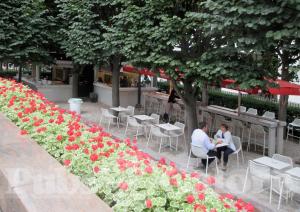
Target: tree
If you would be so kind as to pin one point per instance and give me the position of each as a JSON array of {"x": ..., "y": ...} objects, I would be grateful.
[
  {"x": 263, "y": 29},
  {"x": 23, "y": 32},
  {"x": 83, "y": 36},
  {"x": 169, "y": 35}
]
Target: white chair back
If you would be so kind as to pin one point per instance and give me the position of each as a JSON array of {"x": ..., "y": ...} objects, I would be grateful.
[
  {"x": 156, "y": 118},
  {"x": 198, "y": 151},
  {"x": 130, "y": 110},
  {"x": 268, "y": 114},
  {"x": 258, "y": 129},
  {"x": 284, "y": 159},
  {"x": 105, "y": 112},
  {"x": 237, "y": 143},
  {"x": 296, "y": 121},
  {"x": 180, "y": 125},
  {"x": 259, "y": 170},
  {"x": 132, "y": 121},
  {"x": 252, "y": 111},
  {"x": 156, "y": 131},
  {"x": 292, "y": 183},
  {"x": 242, "y": 109}
]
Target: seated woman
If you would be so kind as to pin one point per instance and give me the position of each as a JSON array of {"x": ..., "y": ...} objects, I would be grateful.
[{"x": 224, "y": 136}]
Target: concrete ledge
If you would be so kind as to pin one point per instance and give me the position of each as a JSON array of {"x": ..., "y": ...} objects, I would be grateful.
[{"x": 33, "y": 181}]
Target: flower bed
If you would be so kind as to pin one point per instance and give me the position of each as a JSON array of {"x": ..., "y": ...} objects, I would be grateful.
[{"x": 122, "y": 175}]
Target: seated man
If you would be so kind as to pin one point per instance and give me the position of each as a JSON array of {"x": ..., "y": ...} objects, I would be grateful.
[{"x": 200, "y": 138}]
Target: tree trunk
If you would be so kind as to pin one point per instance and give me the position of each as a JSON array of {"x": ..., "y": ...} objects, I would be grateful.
[
  {"x": 191, "y": 118},
  {"x": 75, "y": 79},
  {"x": 1, "y": 69},
  {"x": 20, "y": 74},
  {"x": 205, "y": 94},
  {"x": 283, "y": 101},
  {"x": 115, "y": 68},
  {"x": 138, "y": 105},
  {"x": 154, "y": 81}
]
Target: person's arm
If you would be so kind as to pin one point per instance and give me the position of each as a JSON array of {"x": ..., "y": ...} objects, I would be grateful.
[
  {"x": 227, "y": 137},
  {"x": 208, "y": 144},
  {"x": 218, "y": 134}
]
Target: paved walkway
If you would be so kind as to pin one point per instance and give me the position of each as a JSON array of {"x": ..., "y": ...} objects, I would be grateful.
[{"x": 230, "y": 181}]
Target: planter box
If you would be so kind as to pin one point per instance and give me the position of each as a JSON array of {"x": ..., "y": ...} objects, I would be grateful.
[{"x": 31, "y": 180}]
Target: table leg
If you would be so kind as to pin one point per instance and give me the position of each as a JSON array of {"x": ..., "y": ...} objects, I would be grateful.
[
  {"x": 272, "y": 141},
  {"x": 280, "y": 139}
]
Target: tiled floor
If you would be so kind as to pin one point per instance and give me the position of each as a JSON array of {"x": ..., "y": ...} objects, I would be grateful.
[{"x": 230, "y": 181}]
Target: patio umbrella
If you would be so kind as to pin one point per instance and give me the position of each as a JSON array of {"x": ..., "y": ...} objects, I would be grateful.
[{"x": 284, "y": 88}]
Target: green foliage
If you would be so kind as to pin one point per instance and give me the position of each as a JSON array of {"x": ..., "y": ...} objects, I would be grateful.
[{"x": 24, "y": 28}]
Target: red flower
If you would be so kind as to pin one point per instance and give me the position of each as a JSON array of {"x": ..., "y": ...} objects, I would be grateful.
[
  {"x": 201, "y": 196},
  {"x": 249, "y": 207},
  {"x": 199, "y": 187},
  {"x": 20, "y": 114},
  {"x": 226, "y": 205},
  {"x": 190, "y": 198},
  {"x": 195, "y": 175},
  {"x": 86, "y": 151},
  {"x": 162, "y": 161},
  {"x": 199, "y": 207},
  {"x": 59, "y": 137},
  {"x": 23, "y": 132},
  {"x": 229, "y": 196},
  {"x": 172, "y": 164},
  {"x": 71, "y": 138},
  {"x": 213, "y": 210},
  {"x": 67, "y": 162},
  {"x": 211, "y": 180},
  {"x": 148, "y": 203},
  {"x": 149, "y": 169},
  {"x": 123, "y": 186},
  {"x": 173, "y": 182},
  {"x": 94, "y": 157},
  {"x": 96, "y": 169}
]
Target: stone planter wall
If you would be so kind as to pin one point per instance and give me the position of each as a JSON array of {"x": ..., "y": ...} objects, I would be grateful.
[{"x": 33, "y": 181}]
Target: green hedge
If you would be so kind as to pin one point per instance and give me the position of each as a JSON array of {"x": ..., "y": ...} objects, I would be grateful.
[{"x": 12, "y": 73}]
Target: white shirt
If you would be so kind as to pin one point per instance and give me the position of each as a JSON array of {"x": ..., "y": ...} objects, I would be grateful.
[
  {"x": 200, "y": 138},
  {"x": 227, "y": 139}
]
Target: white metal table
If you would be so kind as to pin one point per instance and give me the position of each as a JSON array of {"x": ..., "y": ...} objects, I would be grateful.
[
  {"x": 294, "y": 172},
  {"x": 272, "y": 163},
  {"x": 143, "y": 117},
  {"x": 119, "y": 109},
  {"x": 168, "y": 127}
]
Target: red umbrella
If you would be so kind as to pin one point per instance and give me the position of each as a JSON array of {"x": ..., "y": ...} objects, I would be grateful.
[
  {"x": 284, "y": 88},
  {"x": 227, "y": 82}
]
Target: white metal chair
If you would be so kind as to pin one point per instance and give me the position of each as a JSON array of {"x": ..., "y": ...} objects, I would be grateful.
[
  {"x": 291, "y": 185},
  {"x": 178, "y": 133},
  {"x": 239, "y": 129},
  {"x": 242, "y": 109},
  {"x": 276, "y": 179},
  {"x": 238, "y": 145},
  {"x": 128, "y": 112},
  {"x": 294, "y": 126},
  {"x": 269, "y": 115},
  {"x": 106, "y": 115},
  {"x": 132, "y": 123},
  {"x": 199, "y": 152},
  {"x": 259, "y": 137},
  {"x": 155, "y": 117},
  {"x": 259, "y": 171},
  {"x": 252, "y": 111},
  {"x": 155, "y": 132}
]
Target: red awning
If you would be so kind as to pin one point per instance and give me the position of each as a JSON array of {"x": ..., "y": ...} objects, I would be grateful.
[
  {"x": 145, "y": 71},
  {"x": 285, "y": 88}
]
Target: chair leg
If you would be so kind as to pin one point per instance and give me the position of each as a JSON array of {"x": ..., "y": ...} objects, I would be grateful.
[
  {"x": 149, "y": 137},
  {"x": 126, "y": 129},
  {"x": 280, "y": 196},
  {"x": 206, "y": 166},
  {"x": 108, "y": 125},
  {"x": 177, "y": 143},
  {"x": 217, "y": 168},
  {"x": 237, "y": 160},
  {"x": 187, "y": 166},
  {"x": 160, "y": 145},
  {"x": 137, "y": 132},
  {"x": 271, "y": 191},
  {"x": 246, "y": 178}
]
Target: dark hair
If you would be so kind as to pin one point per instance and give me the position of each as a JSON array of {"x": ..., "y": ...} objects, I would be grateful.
[
  {"x": 202, "y": 125},
  {"x": 225, "y": 126}
]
